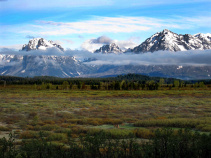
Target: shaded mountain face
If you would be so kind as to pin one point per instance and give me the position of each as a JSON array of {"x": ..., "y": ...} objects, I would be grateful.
[
  {"x": 110, "y": 48},
  {"x": 170, "y": 41},
  {"x": 65, "y": 66},
  {"x": 169, "y": 71},
  {"x": 40, "y": 43},
  {"x": 30, "y": 65}
]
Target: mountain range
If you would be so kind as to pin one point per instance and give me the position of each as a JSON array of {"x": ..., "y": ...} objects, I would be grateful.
[
  {"x": 69, "y": 66},
  {"x": 170, "y": 41},
  {"x": 165, "y": 41}
]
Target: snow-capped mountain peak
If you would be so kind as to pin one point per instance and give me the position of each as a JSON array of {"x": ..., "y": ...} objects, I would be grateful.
[
  {"x": 109, "y": 48},
  {"x": 41, "y": 44},
  {"x": 168, "y": 40},
  {"x": 204, "y": 37}
]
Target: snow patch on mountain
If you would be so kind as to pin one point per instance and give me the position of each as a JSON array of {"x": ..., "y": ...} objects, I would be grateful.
[
  {"x": 180, "y": 67},
  {"x": 170, "y": 41},
  {"x": 40, "y": 44},
  {"x": 4, "y": 72},
  {"x": 42, "y": 65},
  {"x": 109, "y": 48}
]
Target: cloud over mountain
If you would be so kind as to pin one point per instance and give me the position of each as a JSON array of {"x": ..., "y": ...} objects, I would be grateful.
[
  {"x": 95, "y": 43},
  {"x": 102, "y": 40},
  {"x": 191, "y": 57}
]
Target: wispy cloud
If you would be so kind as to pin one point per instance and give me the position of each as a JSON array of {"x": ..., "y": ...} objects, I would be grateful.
[
  {"x": 97, "y": 25},
  {"x": 102, "y": 40},
  {"x": 11, "y": 47},
  {"x": 108, "y": 25},
  {"x": 192, "y": 57},
  {"x": 95, "y": 43},
  {"x": 30, "y": 37}
]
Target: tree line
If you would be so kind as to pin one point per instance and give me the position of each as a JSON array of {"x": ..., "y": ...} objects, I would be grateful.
[
  {"x": 118, "y": 85},
  {"x": 121, "y": 82}
]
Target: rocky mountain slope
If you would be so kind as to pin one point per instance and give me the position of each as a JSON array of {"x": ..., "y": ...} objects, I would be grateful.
[
  {"x": 40, "y": 43},
  {"x": 169, "y": 71},
  {"x": 110, "y": 48},
  {"x": 170, "y": 41},
  {"x": 31, "y": 65}
]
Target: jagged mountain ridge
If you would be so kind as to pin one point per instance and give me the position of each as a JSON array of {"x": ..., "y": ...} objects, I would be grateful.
[
  {"x": 170, "y": 41},
  {"x": 109, "y": 48},
  {"x": 40, "y": 43}
]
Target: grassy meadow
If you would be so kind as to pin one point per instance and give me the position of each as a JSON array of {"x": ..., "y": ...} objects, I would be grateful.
[
  {"x": 42, "y": 121},
  {"x": 26, "y": 111}
]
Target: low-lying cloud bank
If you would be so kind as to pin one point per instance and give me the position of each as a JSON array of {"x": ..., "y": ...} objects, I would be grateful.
[{"x": 191, "y": 57}]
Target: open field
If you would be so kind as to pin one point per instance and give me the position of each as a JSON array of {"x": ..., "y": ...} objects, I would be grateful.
[
  {"x": 28, "y": 111},
  {"x": 96, "y": 123}
]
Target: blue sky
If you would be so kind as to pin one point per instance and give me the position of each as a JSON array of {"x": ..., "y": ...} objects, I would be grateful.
[{"x": 74, "y": 24}]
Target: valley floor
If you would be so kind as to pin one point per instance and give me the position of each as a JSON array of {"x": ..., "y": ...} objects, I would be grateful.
[{"x": 26, "y": 111}]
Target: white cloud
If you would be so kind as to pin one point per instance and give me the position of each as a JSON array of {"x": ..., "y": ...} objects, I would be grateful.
[
  {"x": 14, "y": 47},
  {"x": 129, "y": 43},
  {"x": 102, "y": 40},
  {"x": 30, "y": 37},
  {"x": 102, "y": 25},
  {"x": 98, "y": 25},
  {"x": 191, "y": 57},
  {"x": 95, "y": 43},
  {"x": 90, "y": 46}
]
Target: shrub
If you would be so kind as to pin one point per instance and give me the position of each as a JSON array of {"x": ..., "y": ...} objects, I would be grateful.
[
  {"x": 120, "y": 133},
  {"x": 63, "y": 114},
  {"x": 56, "y": 137},
  {"x": 3, "y": 128},
  {"x": 143, "y": 133},
  {"x": 49, "y": 127},
  {"x": 28, "y": 135},
  {"x": 178, "y": 122}
]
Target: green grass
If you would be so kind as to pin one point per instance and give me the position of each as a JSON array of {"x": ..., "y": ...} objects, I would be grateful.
[{"x": 23, "y": 108}]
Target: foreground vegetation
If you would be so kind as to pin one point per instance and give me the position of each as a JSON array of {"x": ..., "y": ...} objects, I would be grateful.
[
  {"x": 166, "y": 143},
  {"x": 89, "y": 120}
]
